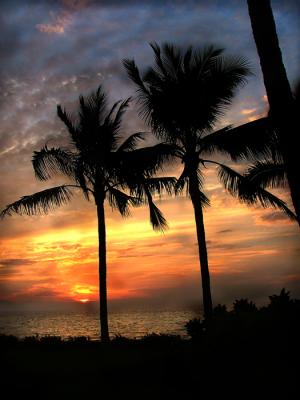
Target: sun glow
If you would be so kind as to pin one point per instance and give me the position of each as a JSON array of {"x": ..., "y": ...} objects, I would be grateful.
[{"x": 84, "y": 300}]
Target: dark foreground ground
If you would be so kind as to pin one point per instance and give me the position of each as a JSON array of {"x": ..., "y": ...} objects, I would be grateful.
[
  {"x": 248, "y": 354},
  {"x": 173, "y": 369}
]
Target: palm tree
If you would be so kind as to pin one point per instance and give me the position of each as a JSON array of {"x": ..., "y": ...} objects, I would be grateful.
[
  {"x": 181, "y": 98},
  {"x": 271, "y": 172},
  {"x": 105, "y": 168},
  {"x": 282, "y": 104}
]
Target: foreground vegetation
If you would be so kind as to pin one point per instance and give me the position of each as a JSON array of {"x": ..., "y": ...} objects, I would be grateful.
[{"x": 245, "y": 353}]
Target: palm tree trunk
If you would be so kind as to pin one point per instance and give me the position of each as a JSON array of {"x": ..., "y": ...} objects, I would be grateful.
[
  {"x": 198, "y": 211},
  {"x": 282, "y": 104},
  {"x": 102, "y": 271}
]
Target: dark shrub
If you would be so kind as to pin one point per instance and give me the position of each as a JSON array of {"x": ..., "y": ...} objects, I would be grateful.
[
  {"x": 8, "y": 340},
  {"x": 220, "y": 310},
  {"x": 160, "y": 338},
  {"x": 119, "y": 339},
  {"x": 243, "y": 306},
  {"x": 195, "y": 328}
]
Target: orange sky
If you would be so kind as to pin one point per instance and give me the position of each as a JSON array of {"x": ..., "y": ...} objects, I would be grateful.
[{"x": 54, "y": 257}]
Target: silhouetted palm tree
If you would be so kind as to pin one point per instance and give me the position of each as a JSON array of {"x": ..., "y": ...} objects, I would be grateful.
[
  {"x": 282, "y": 104},
  {"x": 181, "y": 98},
  {"x": 272, "y": 172},
  {"x": 103, "y": 166}
]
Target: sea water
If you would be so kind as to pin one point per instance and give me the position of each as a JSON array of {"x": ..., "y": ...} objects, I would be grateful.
[{"x": 132, "y": 324}]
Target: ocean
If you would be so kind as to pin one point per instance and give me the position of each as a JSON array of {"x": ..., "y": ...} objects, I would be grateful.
[{"x": 133, "y": 324}]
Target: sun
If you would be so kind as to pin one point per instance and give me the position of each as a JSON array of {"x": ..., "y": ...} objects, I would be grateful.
[{"x": 84, "y": 300}]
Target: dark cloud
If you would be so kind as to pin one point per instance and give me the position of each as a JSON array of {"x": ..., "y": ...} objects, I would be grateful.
[
  {"x": 15, "y": 262},
  {"x": 225, "y": 231},
  {"x": 274, "y": 216}
]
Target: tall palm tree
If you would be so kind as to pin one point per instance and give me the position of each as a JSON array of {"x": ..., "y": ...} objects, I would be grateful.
[
  {"x": 282, "y": 104},
  {"x": 181, "y": 97},
  {"x": 105, "y": 168}
]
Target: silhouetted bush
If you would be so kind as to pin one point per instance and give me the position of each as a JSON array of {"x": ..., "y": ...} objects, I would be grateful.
[
  {"x": 220, "y": 309},
  {"x": 195, "y": 328},
  {"x": 31, "y": 339},
  {"x": 281, "y": 302},
  {"x": 242, "y": 306},
  {"x": 160, "y": 338},
  {"x": 8, "y": 340},
  {"x": 51, "y": 340},
  {"x": 78, "y": 339},
  {"x": 279, "y": 320},
  {"x": 119, "y": 339}
]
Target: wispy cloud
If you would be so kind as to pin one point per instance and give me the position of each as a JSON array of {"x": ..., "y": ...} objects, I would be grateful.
[
  {"x": 248, "y": 111},
  {"x": 58, "y": 25},
  {"x": 60, "y": 21}
]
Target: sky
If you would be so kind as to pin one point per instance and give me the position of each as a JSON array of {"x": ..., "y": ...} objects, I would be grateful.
[{"x": 52, "y": 51}]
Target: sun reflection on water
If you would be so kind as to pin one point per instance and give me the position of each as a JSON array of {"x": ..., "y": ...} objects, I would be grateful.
[{"x": 130, "y": 324}]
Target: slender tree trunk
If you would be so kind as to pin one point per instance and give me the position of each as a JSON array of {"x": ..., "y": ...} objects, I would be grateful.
[
  {"x": 102, "y": 271},
  {"x": 282, "y": 103},
  {"x": 198, "y": 211}
]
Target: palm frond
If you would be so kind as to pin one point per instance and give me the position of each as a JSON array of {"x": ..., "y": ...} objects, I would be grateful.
[
  {"x": 267, "y": 174},
  {"x": 204, "y": 59},
  {"x": 250, "y": 193},
  {"x": 40, "y": 202},
  {"x": 134, "y": 74},
  {"x": 70, "y": 123},
  {"x": 187, "y": 59},
  {"x": 131, "y": 142},
  {"x": 121, "y": 201},
  {"x": 158, "y": 60},
  {"x": 182, "y": 181},
  {"x": 172, "y": 57},
  {"x": 48, "y": 162},
  {"x": 230, "y": 179},
  {"x": 110, "y": 129},
  {"x": 80, "y": 176},
  {"x": 108, "y": 117},
  {"x": 205, "y": 202},
  {"x": 160, "y": 185},
  {"x": 116, "y": 123},
  {"x": 157, "y": 219},
  {"x": 92, "y": 109},
  {"x": 148, "y": 160},
  {"x": 247, "y": 141}
]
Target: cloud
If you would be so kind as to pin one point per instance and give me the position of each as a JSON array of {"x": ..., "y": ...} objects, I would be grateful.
[
  {"x": 225, "y": 231},
  {"x": 13, "y": 262},
  {"x": 248, "y": 111},
  {"x": 274, "y": 216},
  {"x": 64, "y": 18},
  {"x": 59, "y": 25}
]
